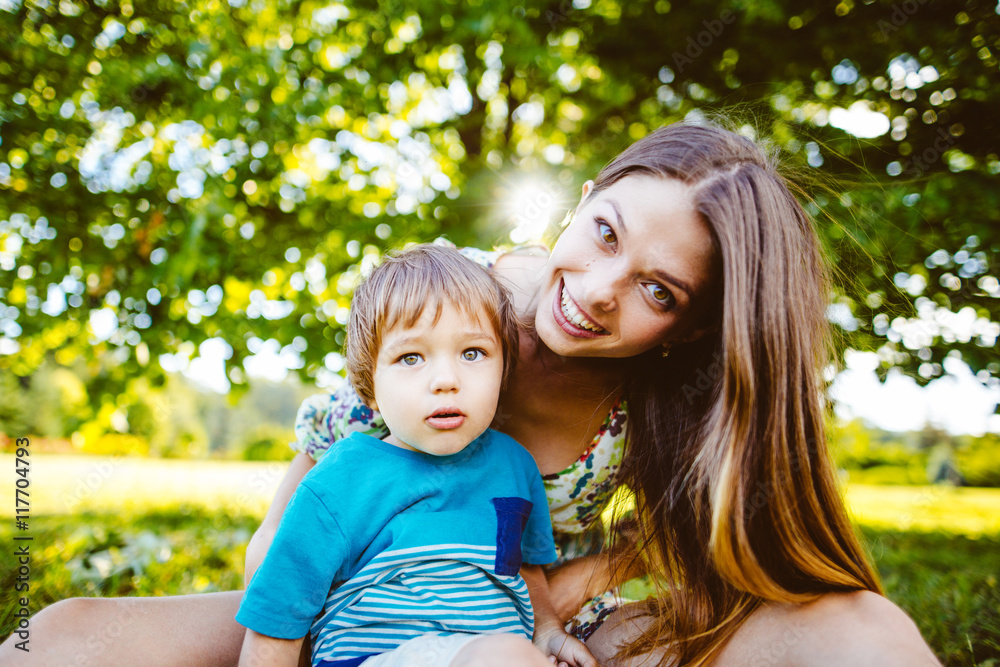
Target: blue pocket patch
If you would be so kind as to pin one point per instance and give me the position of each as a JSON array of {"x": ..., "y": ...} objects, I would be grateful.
[{"x": 512, "y": 517}]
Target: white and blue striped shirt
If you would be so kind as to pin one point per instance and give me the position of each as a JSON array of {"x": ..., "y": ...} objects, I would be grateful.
[{"x": 380, "y": 545}]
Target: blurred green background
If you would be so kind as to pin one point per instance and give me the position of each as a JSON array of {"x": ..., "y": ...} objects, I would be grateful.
[{"x": 195, "y": 186}]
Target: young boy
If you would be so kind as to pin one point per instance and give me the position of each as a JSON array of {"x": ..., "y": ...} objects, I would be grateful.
[{"x": 408, "y": 550}]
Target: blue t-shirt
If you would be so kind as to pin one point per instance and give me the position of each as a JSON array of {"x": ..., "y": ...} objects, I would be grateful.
[{"x": 380, "y": 544}]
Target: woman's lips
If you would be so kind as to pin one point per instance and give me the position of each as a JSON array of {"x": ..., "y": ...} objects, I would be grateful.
[{"x": 564, "y": 323}]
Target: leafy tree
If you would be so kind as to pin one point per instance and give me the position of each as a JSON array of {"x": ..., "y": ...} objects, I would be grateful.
[
  {"x": 13, "y": 409},
  {"x": 56, "y": 403},
  {"x": 178, "y": 171}
]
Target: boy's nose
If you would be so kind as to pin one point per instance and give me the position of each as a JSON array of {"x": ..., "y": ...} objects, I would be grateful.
[{"x": 445, "y": 379}]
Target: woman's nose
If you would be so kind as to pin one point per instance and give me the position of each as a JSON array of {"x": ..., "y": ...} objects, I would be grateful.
[{"x": 601, "y": 285}]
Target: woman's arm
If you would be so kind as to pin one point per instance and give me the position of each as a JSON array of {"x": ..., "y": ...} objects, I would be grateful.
[
  {"x": 573, "y": 583},
  {"x": 550, "y": 635},
  {"x": 261, "y": 540},
  {"x": 260, "y": 650}
]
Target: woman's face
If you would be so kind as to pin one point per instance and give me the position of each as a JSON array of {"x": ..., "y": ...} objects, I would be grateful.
[{"x": 629, "y": 273}]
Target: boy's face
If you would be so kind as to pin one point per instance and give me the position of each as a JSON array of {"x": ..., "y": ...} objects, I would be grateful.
[{"x": 437, "y": 384}]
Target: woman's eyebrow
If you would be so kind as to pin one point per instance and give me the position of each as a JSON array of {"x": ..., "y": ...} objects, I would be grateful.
[
  {"x": 618, "y": 214},
  {"x": 673, "y": 280}
]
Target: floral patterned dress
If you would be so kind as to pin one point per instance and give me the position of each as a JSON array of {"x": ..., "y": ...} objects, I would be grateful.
[{"x": 577, "y": 496}]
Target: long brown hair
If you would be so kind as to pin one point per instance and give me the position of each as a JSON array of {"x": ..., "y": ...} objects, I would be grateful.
[{"x": 736, "y": 497}]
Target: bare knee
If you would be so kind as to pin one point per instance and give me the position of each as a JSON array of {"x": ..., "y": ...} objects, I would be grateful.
[
  {"x": 82, "y": 618},
  {"x": 71, "y": 611},
  {"x": 66, "y": 618},
  {"x": 192, "y": 630},
  {"x": 500, "y": 651}
]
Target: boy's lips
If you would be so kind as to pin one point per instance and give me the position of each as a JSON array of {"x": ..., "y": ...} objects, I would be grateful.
[{"x": 446, "y": 419}]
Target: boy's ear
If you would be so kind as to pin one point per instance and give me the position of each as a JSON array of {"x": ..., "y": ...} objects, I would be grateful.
[{"x": 587, "y": 187}]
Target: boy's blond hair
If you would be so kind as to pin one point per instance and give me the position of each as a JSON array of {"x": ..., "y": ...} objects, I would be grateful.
[{"x": 398, "y": 290}]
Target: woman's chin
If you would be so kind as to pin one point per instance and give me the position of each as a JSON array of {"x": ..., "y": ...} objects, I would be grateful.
[{"x": 553, "y": 337}]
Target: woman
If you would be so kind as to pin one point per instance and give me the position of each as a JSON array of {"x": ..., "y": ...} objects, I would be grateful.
[{"x": 687, "y": 292}]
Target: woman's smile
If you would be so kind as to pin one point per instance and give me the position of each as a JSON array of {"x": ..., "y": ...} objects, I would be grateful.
[{"x": 572, "y": 318}]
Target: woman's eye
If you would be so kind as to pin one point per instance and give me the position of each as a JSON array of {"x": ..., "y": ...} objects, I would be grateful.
[
  {"x": 660, "y": 293},
  {"x": 607, "y": 234},
  {"x": 472, "y": 354},
  {"x": 410, "y": 359}
]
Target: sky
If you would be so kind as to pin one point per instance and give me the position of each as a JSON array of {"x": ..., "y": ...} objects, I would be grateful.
[{"x": 957, "y": 402}]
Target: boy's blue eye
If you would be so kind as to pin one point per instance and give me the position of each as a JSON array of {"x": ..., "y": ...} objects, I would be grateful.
[
  {"x": 472, "y": 354},
  {"x": 410, "y": 359}
]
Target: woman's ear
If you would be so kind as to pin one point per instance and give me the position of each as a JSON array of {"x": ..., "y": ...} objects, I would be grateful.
[{"x": 588, "y": 187}]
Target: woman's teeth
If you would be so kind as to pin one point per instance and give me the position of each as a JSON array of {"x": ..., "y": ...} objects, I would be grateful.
[{"x": 574, "y": 315}]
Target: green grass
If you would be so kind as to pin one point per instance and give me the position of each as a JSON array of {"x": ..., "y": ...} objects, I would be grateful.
[
  {"x": 71, "y": 484},
  {"x": 164, "y": 552},
  {"x": 164, "y": 528},
  {"x": 964, "y": 510},
  {"x": 948, "y": 585}
]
